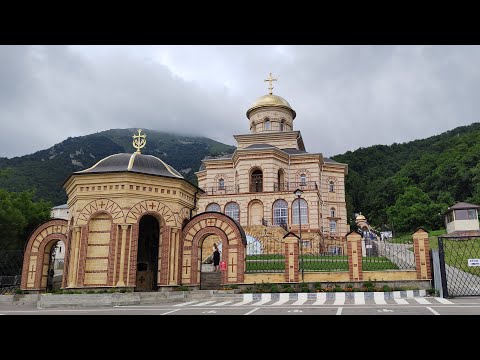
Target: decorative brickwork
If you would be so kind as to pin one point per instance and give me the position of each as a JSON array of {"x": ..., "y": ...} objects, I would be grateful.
[
  {"x": 233, "y": 249},
  {"x": 38, "y": 250},
  {"x": 354, "y": 251},
  {"x": 422, "y": 254}
]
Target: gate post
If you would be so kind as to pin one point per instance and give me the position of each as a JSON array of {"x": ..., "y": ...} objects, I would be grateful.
[
  {"x": 354, "y": 253},
  {"x": 443, "y": 274},
  {"x": 290, "y": 242},
  {"x": 422, "y": 254}
]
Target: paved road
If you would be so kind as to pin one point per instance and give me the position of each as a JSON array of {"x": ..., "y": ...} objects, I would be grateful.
[{"x": 414, "y": 306}]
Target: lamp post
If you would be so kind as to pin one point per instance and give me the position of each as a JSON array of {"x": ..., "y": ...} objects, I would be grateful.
[{"x": 298, "y": 193}]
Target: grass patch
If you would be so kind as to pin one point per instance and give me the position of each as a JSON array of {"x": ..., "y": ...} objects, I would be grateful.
[
  {"x": 265, "y": 257},
  {"x": 402, "y": 239},
  {"x": 265, "y": 266},
  {"x": 377, "y": 263}
]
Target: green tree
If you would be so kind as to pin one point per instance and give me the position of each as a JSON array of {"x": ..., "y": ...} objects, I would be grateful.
[{"x": 19, "y": 216}]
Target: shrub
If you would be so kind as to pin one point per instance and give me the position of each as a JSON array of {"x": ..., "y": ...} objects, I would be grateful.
[
  {"x": 318, "y": 286},
  {"x": 386, "y": 288},
  {"x": 368, "y": 284},
  {"x": 432, "y": 292},
  {"x": 288, "y": 288},
  {"x": 274, "y": 288},
  {"x": 19, "y": 291},
  {"x": 304, "y": 288}
]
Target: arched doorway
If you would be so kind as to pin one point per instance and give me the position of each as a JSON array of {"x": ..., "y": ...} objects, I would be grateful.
[
  {"x": 147, "y": 255},
  {"x": 56, "y": 262},
  {"x": 206, "y": 252}
]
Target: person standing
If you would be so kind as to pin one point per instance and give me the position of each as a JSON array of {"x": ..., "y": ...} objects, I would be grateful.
[{"x": 216, "y": 257}]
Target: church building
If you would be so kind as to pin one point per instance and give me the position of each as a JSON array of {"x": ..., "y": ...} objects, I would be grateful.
[{"x": 134, "y": 222}]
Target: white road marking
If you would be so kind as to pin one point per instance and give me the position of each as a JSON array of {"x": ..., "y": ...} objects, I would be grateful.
[
  {"x": 385, "y": 310},
  {"x": 379, "y": 298},
  {"x": 223, "y": 303},
  {"x": 339, "y": 299},
  {"x": 433, "y": 311},
  {"x": 169, "y": 312},
  {"x": 251, "y": 311},
  {"x": 302, "y": 298},
  {"x": 284, "y": 297},
  {"x": 204, "y": 303},
  {"x": 321, "y": 298},
  {"x": 265, "y": 298},
  {"x": 247, "y": 298},
  {"x": 186, "y": 303},
  {"x": 339, "y": 311},
  {"x": 443, "y": 301},
  {"x": 422, "y": 300},
  {"x": 295, "y": 311},
  {"x": 359, "y": 298},
  {"x": 401, "y": 301},
  {"x": 209, "y": 312}
]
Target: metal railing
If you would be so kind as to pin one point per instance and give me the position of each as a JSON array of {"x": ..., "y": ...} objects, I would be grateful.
[
  {"x": 460, "y": 265},
  {"x": 291, "y": 186},
  {"x": 319, "y": 254},
  {"x": 220, "y": 190},
  {"x": 378, "y": 255},
  {"x": 11, "y": 262},
  {"x": 265, "y": 254}
]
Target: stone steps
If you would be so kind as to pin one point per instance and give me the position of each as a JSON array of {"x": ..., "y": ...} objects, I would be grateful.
[{"x": 211, "y": 280}]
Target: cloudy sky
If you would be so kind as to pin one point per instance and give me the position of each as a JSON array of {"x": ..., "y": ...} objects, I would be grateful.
[{"x": 345, "y": 97}]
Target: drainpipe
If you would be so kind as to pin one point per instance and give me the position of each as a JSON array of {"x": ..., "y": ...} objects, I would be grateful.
[
  {"x": 194, "y": 203},
  {"x": 321, "y": 199}
]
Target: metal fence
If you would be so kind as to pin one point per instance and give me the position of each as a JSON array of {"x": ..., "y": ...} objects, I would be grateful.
[
  {"x": 11, "y": 262},
  {"x": 322, "y": 254},
  {"x": 264, "y": 254},
  {"x": 460, "y": 265},
  {"x": 378, "y": 255}
]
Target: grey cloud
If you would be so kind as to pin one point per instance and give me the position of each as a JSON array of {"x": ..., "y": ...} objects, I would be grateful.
[{"x": 345, "y": 96}]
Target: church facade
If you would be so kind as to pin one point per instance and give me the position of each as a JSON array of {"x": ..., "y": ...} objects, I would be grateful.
[
  {"x": 255, "y": 185},
  {"x": 135, "y": 222}
]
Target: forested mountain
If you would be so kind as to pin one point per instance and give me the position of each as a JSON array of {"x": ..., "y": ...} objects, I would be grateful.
[
  {"x": 46, "y": 170},
  {"x": 410, "y": 184}
]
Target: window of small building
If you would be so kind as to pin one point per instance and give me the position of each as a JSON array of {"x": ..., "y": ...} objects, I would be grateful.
[
  {"x": 221, "y": 184},
  {"x": 331, "y": 186},
  {"x": 213, "y": 207}
]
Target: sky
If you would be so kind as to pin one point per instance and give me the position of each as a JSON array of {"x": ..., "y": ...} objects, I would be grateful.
[{"x": 345, "y": 97}]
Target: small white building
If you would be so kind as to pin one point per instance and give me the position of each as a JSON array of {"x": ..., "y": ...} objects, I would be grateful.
[
  {"x": 60, "y": 212},
  {"x": 462, "y": 217}
]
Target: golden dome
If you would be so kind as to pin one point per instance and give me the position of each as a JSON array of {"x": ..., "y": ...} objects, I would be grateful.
[
  {"x": 270, "y": 100},
  {"x": 360, "y": 217}
]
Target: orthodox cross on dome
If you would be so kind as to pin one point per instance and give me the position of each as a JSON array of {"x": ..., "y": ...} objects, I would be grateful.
[
  {"x": 139, "y": 141},
  {"x": 270, "y": 80}
]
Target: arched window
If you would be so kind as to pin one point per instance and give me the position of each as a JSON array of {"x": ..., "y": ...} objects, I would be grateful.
[
  {"x": 280, "y": 212},
  {"x": 267, "y": 124},
  {"x": 303, "y": 211},
  {"x": 333, "y": 226},
  {"x": 303, "y": 179},
  {"x": 233, "y": 210},
  {"x": 221, "y": 184},
  {"x": 332, "y": 212},
  {"x": 331, "y": 186},
  {"x": 213, "y": 207},
  {"x": 282, "y": 125},
  {"x": 256, "y": 181}
]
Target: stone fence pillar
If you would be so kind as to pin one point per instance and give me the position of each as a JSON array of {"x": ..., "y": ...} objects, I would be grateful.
[
  {"x": 290, "y": 243},
  {"x": 422, "y": 254},
  {"x": 354, "y": 253}
]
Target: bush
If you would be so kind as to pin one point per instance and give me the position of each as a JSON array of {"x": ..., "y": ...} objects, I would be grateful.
[
  {"x": 19, "y": 291},
  {"x": 178, "y": 288},
  {"x": 287, "y": 288},
  {"x": 368, "y": 284},
  {"x": 318, "y": 286},
  {"x": 304, "y": 288},
  {"x": 432, "y": 292},
  {"x": 274, "y": 288},
  {"x": 386, "y": 288}
]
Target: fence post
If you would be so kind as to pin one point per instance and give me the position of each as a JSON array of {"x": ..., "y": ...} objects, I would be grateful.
[
  {"x": 422, "y": 254},
  {"x": 354, "y": 253},
  {"x": 443, "y": 273},
  {"x": 290, "y": 242}
]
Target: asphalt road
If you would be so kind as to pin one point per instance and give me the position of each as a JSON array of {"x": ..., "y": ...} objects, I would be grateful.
[{"x": 457, "y": 306}]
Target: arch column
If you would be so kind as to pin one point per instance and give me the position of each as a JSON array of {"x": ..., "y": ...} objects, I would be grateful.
[
  {"x": 120, "y": 257},
  {"x": 74, "y": 257}
]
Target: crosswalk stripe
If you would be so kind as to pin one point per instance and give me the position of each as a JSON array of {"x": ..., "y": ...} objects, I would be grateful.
[
  {"x": 204, "y": 303},
  {"x": 283, "y": 299},
  {"x": 265, "y": 298},
  {"x": 339, "y": 299},
  {"x": 302, "y": 298},
  {"x": 223, "y": 303},
  {"x": 401, "y": 301},
  {"x": 359, "y": 298},
  {"x": 422, "y": 300},
  {"x": 321, "y": 298},
  {"x": 186, "y": 303},
  {"x": 443, "y": 301},
  {"x": 379, "y": 298}
]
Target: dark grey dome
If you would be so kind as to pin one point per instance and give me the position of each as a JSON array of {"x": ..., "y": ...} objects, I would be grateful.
[{"x": 135, "y": 163}]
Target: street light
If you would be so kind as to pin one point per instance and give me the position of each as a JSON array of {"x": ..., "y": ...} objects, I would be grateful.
[{"x": 298, "y": 193}]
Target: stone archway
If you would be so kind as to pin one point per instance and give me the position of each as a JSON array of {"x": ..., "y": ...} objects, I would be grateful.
[
  {"x": 36, "y": 258},
  {"x": 233, "y": 249}
]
